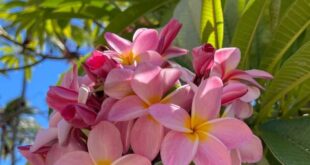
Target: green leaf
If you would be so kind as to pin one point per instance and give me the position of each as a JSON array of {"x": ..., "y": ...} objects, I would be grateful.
[
  {"x": 186, "y": 12},
  {"x": 293, "y": 23},
  {"x": 130, "y": 15},
  {"x": 295, "y": 71},
  {"x": 246, "y": 29},
  {"x": 212, "y": 22},
  {"x": 288, "y": 140}
]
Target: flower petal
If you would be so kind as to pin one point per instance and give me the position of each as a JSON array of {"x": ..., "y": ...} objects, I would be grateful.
[
  {"x": 104, "y": 143},
  {"x": 233, "y": 91},
  {"x": 235, "y": 157},
  {"x": 63, "y": 129},
  {"x": 76, "y": 158},
  {"x": 239, "y": 109},
  {"x": 182, "y": 97},
  {"x": 147, "y": 83},
  {"x": 228, "y": 58},
  {"x": 252, "y": 94},
  {"x": 232, "y": 132},
  {"x": 44, "y": 137},
  {"x": 132, "y": 159},
  {"x": 105, "y": 109},
  {"x": 117, "y": 84},
  {"x": 169, "y": 77},
  {"x": 212, "y": 151},
  {"x": 146, "y": 137},
  {"x": 70, "y": 79},
  {"x": 207, "y": 101},
  {"x": 144, "y": 41},
  {"x": 33, "y": 158},
  {"x": 151, "y": 57},
  {"x": 116, "y": 42},
  {"x": 128, "y": 108},
  {"x": 259, "y": 74},
  {"x": 251, "y": 151},
  {"x": 178, "y": 148},
  {"x": 59, "y": 97},
  {"x": 174, "y": 52},
  {"x": 125, "y": 128},
  {"x": 167, "y": 35},
  {"x": 171, "y": 116}
]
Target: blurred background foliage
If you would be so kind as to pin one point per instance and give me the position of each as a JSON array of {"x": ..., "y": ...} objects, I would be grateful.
[{"x": 272, "y": 35}]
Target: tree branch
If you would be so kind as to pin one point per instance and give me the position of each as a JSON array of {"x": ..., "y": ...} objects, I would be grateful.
[{"x": 22, "y": 67}]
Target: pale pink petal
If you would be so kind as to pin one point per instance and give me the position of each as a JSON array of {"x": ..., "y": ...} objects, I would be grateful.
[
  {"x": 70, "y": 79},
  {"x": 252, "y": 94},
  {"x": 169, "y": 77},
  {"x": 178, "y": 148},
  {"x": 207, "y": 100},
  {"x": 117, "y": 84},
  {"x": 105, "y": 109},
  {"x": 76, "y": 158},
  {"x": 251, "y": 151},
  {"x": 259, "y": 74},
  {"x": 243, "y": 76},
  {"x": 124, "y": 128},
  {"x": 132, "y": 159},
  {"x": 63, "y": 129},
  {"x": 137, "y": 32},
  {"x": 128, "y": 108},
  {"x": 116, "y": 42},
  {"x": 44, "y": 137},
  {"x": 104, "y": 143},
  {"x": 55, "y": 117},
  {"x": 239, "y": 109},
  {"x": 235, "y": 157},
  {"x": 233, "y": 91},
  {"x": 232, "y": 132},
  {"x": 174, "y": 52},
  {"x": 146, "y": 137},
  {"x": 212, "y": 151},
  {"x": 171, "y": 116},
  {"x": 147, "y": 83},
  {"x": 144, "y": 41},
  {"x": 151, "y": 57},
  {"x": 182, "y": 97},
  {"x": 33, "y": 158},
  {"x": 228, "y": 58}
]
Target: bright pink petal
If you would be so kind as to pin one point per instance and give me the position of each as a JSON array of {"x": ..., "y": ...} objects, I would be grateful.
[
  {"x": 167, "y": 35},
  {"x": 137, "y": 33},
  {"x": 171, "y": 116},
  {"x": 147, "y": 83},
  {"x": 243, "y": 76},
  {"x": 33, "y": 158},
  {"x": 178, "y": 148},
  {"x": 145, "y": 40},
  {"x": 132, "y": 159},
  {"x": 44, "y": 137},
  {"x": 174, "y": 52},
  {"x": 233, "y": 91},
  {"x": 259, "y": 74},
  {"x": 239, "y": 109},
  {"x": 203, "y": 59},
  {"x": 182, "y": 97},
  {"x": 63, "y": 129},
  {"x": 124, "y": 128},
  {"x": 212, "y": 151},
  {"x": 128, "y": 108},
  {"x": 252, "y": 94},
  {"x": 251, "y": 151},
  {"x": 207, "y": 101},
  {"x": 59, "y": 97},
  {"x": 105, "y": 109},
  {"x": 228, "y": 58},
  {"x": 117, "y": 84},
  {"x": 151, "y": 57},
  {"x": 104, "y": 143},
  {"x": 76, "y": 158},
  {"x": 169, "y": 77},
  {"x": 146, "y": 137},
  {"x": 232, "y": 132},
  {"x": 79, "y": 115},
  {"x": 117, "y": 43}
]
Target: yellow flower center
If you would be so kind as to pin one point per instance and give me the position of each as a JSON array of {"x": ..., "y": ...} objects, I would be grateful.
[
  {"x": 104, "y": 162},
  {"x": 128, "y": 58}
]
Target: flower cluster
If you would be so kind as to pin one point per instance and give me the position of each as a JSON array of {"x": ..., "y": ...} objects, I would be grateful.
[{"x": 134, "y": 107}]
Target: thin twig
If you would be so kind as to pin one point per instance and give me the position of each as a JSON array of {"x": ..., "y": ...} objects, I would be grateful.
[{"x": 22, "y": 67}]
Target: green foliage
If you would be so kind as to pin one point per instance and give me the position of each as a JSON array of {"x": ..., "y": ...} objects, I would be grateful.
[
  {"x": 288, "y": 140},
  {"x": 212, "y": 23}
]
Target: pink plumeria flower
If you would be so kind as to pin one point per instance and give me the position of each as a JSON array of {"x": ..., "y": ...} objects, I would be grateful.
[
  {"x": 250, "y": 151},
  {"x": 202, "y": 137},
  {"x": 150, "y": 84},
  {"x": 104, "y": 148}
]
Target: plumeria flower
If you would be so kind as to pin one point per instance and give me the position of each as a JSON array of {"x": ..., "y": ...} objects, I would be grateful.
[
  {"x": 202, "y": 137},
  {"x": 104, "y": 148},
  {"x": 150, "y": 84}
]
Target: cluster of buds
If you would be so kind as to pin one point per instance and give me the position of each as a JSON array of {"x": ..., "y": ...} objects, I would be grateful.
[{"x": 135, "y": 107}]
